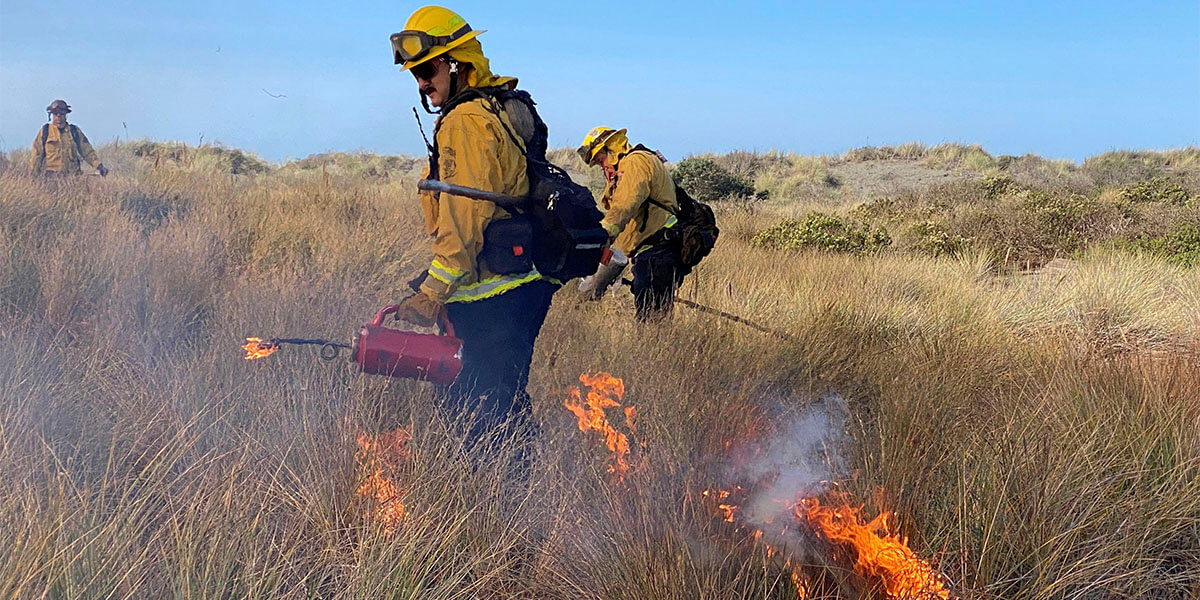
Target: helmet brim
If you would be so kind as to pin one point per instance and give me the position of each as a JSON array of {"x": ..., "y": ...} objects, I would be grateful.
[{"x": 440, "y": 50}]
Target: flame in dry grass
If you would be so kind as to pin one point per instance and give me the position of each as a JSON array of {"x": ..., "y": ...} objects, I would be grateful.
[
  {"x": 379, "y": 458},
  {"x": 257, "y": 348},
  {"x": 879, "y": 554},
  {"x": 605, "y": 391},
  {"x": 881, "y": 558},
  {"x": 720, "y": 502}
]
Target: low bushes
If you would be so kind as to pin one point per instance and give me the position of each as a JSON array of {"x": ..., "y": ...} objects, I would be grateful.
[{"x": 824, "y": 232}]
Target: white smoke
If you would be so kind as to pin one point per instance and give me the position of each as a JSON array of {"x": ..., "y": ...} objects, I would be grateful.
[{"x": 800, "y": 460}]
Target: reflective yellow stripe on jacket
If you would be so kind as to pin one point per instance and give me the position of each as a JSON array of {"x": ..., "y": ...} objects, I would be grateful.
[
  {"x": 492, "y": 286},
  {"x": 444, "y": 274}
]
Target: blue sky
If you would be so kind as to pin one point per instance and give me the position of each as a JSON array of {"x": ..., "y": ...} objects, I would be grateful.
[{"x": 1064, "y": 80}]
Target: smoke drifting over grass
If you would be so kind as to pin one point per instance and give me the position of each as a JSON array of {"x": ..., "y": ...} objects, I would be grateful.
[{"x": 801, "y": 460}]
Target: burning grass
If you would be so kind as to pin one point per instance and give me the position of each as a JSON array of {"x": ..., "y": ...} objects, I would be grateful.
[{"x": 1035, "y": 434}]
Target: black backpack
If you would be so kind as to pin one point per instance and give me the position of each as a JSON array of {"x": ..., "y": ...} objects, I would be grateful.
[
  {"x": 697, "y": 229},
  {"x": 695, "y": 234},
  {"x": 558, "y": 228}
]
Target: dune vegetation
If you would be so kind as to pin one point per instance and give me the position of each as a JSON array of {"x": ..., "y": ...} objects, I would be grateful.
[{"x": 1001, "y": 351}]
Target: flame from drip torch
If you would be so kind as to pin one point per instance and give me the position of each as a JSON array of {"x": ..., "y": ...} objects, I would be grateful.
[
  {"x": 379, "y": 458},
  {"x": 605, "y": 391},
  {"x": 257, "y": 348}
]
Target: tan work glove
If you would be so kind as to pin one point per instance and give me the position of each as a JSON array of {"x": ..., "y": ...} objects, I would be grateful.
[{"x": 419, "y": 309}]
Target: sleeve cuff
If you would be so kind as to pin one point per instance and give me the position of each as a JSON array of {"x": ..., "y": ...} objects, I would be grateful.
[{"x": 435, "y": 289}]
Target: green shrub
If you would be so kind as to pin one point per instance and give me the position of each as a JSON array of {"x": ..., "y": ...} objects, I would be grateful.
[
  {"x": 932, "y": 238},
  {"x": 1181, "y": 246},
  {"x": 995, "y": 185},
  {"x": 707, "y": 181},
  {"x": 823, "y": 231},
  {"x": 1156, "y": 189}
]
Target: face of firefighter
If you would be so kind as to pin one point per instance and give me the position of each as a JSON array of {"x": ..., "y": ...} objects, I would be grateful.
[
  {"x": 433, "y": 80},
  {"x": 59, "y": 119},
  {"x": 610, "y": 171}
]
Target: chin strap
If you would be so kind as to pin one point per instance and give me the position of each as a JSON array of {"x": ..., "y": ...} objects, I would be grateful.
[{"x": 421, "y": 127}]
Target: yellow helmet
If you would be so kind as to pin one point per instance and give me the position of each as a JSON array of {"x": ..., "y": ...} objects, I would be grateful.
[
  {"x": 595, "y": 140},
  {"x": 430, "y": 32}
]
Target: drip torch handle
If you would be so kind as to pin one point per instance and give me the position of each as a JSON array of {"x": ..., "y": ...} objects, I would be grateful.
[
  {"x": 383, "y": 312},
  {"x": 390, "y": 309}
]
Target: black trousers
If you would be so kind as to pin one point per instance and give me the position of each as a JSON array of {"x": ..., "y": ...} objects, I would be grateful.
[
  {"x": 498, "y": 335},
  {"x": 657, "y": 272}
]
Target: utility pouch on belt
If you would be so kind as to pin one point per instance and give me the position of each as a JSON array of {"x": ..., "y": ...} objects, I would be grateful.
[{"x": 508, "y": 245}]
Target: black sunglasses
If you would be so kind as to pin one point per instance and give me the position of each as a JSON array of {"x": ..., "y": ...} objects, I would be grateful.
[{"x": 425, "y": 70}]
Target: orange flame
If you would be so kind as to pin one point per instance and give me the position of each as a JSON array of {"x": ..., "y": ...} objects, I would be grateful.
[
  {"x": 879, "y": 555},
  {"x": 605, "y": 392},
  {"x": 257, "y": 348},
  {"x": 379, "y": 457}
]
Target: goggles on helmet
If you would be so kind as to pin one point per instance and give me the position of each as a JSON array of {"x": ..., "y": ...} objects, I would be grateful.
[{"x": 411, "y": 44}]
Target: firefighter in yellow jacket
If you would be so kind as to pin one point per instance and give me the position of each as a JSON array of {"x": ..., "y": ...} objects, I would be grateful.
[
  {"x": 640, "y": 208},
  {"x": 60, "y": 147},
  {"x": 495, "y": 311}
]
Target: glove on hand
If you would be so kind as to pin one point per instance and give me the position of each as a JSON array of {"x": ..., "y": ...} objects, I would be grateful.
[
  {"x": 414, "y": 284},
  {"x": 420, "y": 310},
  {"x": 103, "y": 170}
]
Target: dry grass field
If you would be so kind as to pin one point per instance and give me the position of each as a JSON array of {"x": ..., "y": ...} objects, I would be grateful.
[{"x": 1014, "y": 375}]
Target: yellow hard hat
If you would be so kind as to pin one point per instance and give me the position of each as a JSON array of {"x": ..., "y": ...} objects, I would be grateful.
[
  {"x": 430, "y": 32},
  {"x": 595, "y": 140}
]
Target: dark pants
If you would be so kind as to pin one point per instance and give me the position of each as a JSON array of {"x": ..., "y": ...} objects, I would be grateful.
[
  {"x": 657, "y": 272},
  {"x": 498, "y": 335}
]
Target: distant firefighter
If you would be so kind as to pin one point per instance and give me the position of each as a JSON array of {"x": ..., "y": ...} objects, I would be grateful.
[
  {"x": 640, "y": 210},
  {"x": 59, "y": 148}
]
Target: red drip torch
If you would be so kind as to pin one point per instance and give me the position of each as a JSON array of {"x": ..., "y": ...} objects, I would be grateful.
[
  {"x": 408, "y": 354},
  {"x": 378, "y": 350}
]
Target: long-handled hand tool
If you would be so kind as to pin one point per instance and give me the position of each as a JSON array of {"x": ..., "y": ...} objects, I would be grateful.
[{"x": 732, "y": 317}]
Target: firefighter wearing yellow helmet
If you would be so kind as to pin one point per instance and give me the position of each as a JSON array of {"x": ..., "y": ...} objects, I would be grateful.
[
  {"x": 59, "y": 147},
  {"x": 496, "y": 311},
  {"x": 639, "y": 208}
]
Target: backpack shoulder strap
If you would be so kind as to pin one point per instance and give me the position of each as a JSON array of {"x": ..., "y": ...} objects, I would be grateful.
[
  {"x": 75, "y": 138},
  {"x": 45, "y": 134},
  {"x": 462, "y": 98},
  {"x": 650, "y": 199}
]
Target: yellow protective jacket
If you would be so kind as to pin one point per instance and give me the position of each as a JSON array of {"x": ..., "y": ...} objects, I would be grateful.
[
  {"x": 474, "y": 150},
  {"x": 640, "y": 175},
  {"x": 57, "y": 152}
]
